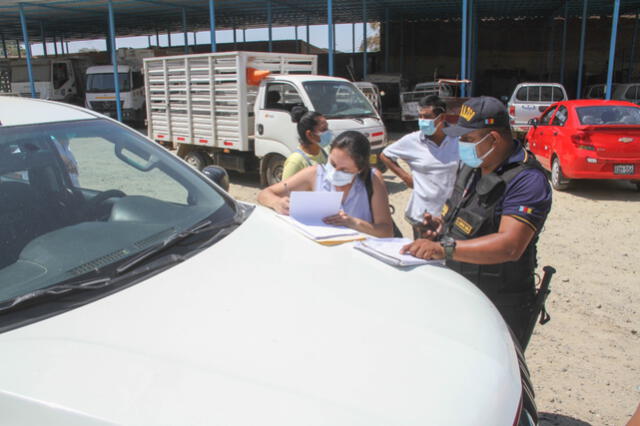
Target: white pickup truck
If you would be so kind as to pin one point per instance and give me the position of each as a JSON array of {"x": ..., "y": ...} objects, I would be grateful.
[
  {"x": 206, "y": 105},
  {"x": 529, "y": 100}
]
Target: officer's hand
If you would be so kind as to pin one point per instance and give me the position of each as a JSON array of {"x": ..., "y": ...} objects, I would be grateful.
[
  {"x": 431, "y": 226},
  {"x": 424, "y": 249}
]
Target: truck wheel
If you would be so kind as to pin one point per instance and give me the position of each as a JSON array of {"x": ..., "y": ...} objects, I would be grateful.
[
  {"x": 274, "y": 169},
  {"x": 196, "y": 159},
  {"x": 558, "y": 180}
]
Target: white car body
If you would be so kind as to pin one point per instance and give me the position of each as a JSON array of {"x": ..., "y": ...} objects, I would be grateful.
[
  {"x": 529, "y": 100},
  {"x": 264, "y": 327}
]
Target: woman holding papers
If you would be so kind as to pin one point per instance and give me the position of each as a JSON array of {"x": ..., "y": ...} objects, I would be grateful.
[
  {"x": 365, "y": 203},
  {"x": 314, "y": 136}
]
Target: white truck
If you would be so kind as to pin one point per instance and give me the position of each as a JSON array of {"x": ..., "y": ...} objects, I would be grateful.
[
  {"x": 206, "y": 106},
  {"x": 100, "y": 93},
  {"x": 529, "y": 100},
  {"x": 54, "y": 79},
  {"x": 447, "y": 89}
]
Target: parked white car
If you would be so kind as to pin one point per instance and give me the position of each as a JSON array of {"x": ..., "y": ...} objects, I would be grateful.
[
  {"x": 529, "y": 100},
  {"x": 145, "y": 294}
]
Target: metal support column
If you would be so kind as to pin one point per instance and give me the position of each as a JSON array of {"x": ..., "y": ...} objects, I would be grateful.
[
  {"x": 632, "y": 54},
  {"x": 564, "y": 41},
  {"x": 18, "y": 49},
  {"x": 27, "y": 48},
  {"x": 168, "y": 37},
  {"x": 55, "y": 45},
  {"x": 469, "y": 36},
  {"x": 364, "y": 39},
  {"x": 4, "y": 46},
  {"x": 235, "y": 38},
  {"x": 583, "y": 30},
  {"x": 114, "y": 62},
  {"x": 44, "y": 39},
  {"x": 67, "y": 45},
  {"x": 157, "y": 38},
  {"x": 212, "y": 26},
  {"x": 330, "y": 29},
  {"x": 295, "y": 30},
  {"x": 612, "y": 47},
  {"x": 270, "y": 24},
  {"x": 387, "y": 30},
  {"x": 149, "y": 41},
  {"x": 463, "y": 53},
  {"x": 195, "y": 39},
  {"x": 62, "y": 44},
  {"x": 353, "y": 38},
  {"x": 308, "y": 36},
  {"x": 184, "y": 30}
]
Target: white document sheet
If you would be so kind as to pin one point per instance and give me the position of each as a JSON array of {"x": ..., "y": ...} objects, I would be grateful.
[
  {"x": 388, "y": 251},
  {"x": 310, "y": 207}
]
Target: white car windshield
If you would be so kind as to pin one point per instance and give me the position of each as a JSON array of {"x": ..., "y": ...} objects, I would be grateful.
[
  {"x": 336, "y": 99},
  {"x": 78, "y": 199}
]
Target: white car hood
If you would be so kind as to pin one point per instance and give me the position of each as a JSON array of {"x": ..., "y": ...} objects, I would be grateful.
[{"x": 267, "y": 327}]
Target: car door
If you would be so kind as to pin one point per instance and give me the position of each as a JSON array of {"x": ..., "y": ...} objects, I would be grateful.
[
  {"x": 540, "y": 142},
  {"x": 559, "y": 132},
  {"x": 273, "y": 121}
]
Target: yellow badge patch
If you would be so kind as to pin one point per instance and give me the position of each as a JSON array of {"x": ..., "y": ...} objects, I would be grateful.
[
  {"x": 463, "y": 225},
  {"x": 445, "y": 210},
  {"x": 467, "y": 113}
]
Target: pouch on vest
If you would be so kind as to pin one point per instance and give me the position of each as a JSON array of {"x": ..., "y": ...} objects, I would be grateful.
[{"x": 467, "y": 224}]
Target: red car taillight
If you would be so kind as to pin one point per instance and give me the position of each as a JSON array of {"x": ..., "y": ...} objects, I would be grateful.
[
  {"x": 582, "y": 140},
  {"x": 512, "y": 110}
]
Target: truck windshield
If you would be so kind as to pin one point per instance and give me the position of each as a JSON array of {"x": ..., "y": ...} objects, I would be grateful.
[
  {"x": 337, "y": 99},
  {"x": 81, "y": 198},
  {"x": 103, "y": 83}
]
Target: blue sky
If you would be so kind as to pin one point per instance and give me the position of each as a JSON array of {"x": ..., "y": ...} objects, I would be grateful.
[{"x": 318, "y": 36}]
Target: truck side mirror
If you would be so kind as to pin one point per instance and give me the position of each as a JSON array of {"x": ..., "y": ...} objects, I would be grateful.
[
  {"x": 218, "y": 175},
  {"x": 533, "y": 122}
]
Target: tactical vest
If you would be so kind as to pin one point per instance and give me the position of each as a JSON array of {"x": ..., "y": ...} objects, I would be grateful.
[{"x": 474, "y": 215}]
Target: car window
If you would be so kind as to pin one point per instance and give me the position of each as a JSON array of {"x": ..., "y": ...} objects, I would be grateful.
[
  {"x": 546, "y": 94},
  {"x": 558, "y": 95},
  {"x": 561, "y": 116},
  {"x": 546, "y": 117},
  {"x": 521, "y": 94},
  {"x": 609, "y": 115},
  {"x": 282, "y": 96},
  {"x": 631, "y": 93}
]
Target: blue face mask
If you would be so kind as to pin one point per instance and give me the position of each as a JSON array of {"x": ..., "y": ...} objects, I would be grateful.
[
  {"x": 337, "y": 177},
  {"x": 325, "y": 138},
  {"x": 427, "y": 126},
  {"x": 469, "y": 154}
]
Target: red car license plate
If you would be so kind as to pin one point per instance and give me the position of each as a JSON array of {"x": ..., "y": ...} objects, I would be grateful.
[{"x": 623, "y": 169}]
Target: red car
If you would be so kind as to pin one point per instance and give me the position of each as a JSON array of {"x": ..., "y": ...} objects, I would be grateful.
[{"x": 588, "y": 139}]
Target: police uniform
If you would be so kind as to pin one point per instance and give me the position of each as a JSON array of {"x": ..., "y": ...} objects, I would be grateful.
[{"x": 517, "y": 188}]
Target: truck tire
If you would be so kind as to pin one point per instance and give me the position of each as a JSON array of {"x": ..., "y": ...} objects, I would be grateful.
[
  {"x": 273, "y": 170},
  {"x": 558, "y": 180},
  {"x": 196, "y": 159}
]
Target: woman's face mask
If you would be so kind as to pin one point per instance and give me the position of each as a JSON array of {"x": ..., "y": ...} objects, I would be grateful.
[
  {"x": 337, "y": 177},
  {"x": 325, "y": 138},
  {"x": 469, "y": 154}
]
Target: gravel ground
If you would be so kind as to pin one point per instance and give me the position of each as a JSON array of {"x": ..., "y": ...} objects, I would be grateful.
[{"x": 585, "y": 363}]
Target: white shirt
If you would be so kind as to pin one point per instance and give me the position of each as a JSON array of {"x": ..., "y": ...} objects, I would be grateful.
[{"x": 433, "y": 169}]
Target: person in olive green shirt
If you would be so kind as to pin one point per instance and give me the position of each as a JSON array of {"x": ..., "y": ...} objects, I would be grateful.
[{"x": 314, "y": 136}]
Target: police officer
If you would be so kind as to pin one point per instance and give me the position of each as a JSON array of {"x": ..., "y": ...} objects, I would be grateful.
[{"x": 488, "y": 228}]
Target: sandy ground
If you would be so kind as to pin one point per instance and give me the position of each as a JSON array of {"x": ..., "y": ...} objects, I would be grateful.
[{"x": 585, "y": 363}]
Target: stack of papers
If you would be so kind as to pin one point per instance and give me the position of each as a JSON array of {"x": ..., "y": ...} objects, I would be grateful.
[
  {"x": 388, "y": 251},
  {"x": 307, "y": 209}
]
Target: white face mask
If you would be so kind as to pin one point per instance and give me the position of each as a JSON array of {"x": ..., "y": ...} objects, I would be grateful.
[{"x": 337, "y": 177}]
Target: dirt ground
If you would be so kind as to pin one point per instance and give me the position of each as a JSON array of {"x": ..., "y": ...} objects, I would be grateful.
[{"x": 585, "y": 363}]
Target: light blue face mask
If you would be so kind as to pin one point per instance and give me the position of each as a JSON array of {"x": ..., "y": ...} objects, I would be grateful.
[
  {"x": 337, "y": 177},
  {"x": 469, "y": 154},
  {"x": 325, "y": 138},
  {"x": 427, "y": 126}
]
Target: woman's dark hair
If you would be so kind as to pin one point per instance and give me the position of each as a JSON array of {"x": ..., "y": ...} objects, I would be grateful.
[
  {"x": 307, "y": 120},
  {"x": 357, "y": 146}
]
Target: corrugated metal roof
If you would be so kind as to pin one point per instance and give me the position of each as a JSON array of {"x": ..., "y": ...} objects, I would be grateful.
[{"x": 87, "y": 19}]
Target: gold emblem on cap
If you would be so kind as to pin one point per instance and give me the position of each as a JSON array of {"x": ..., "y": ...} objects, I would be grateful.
[{"x": 467, "y": 112}]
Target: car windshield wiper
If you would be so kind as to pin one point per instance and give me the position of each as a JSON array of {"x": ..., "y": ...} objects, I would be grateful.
[
  {"x": 55, "y": 291},
  {"x": 202, "y": 227}
]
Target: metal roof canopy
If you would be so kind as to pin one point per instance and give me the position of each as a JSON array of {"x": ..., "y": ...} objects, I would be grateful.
[{"x": 88, "y": 19}]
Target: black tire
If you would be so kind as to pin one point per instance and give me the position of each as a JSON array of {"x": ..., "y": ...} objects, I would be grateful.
[
  {"x": 558, "y": 179},
  {"x": 196, "y": 159},
  {"x": 274, "y": 169},
  {"x": 637, "y": 184}
]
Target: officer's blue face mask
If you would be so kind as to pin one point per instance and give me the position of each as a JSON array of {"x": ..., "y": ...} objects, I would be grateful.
[
  {"x": 469, "y": 154},
  {"x": 427, "y": 126}
]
